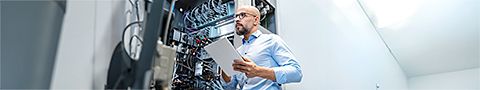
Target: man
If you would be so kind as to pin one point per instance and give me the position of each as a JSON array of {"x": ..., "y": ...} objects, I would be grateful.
[{"x": 266, "y": 60}]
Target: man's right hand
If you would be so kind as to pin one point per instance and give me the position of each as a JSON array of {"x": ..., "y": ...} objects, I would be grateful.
[{"x": 225, "y": 76}]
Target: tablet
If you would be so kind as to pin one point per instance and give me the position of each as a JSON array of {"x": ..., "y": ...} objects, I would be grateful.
[{"x": 223, "y": 53}]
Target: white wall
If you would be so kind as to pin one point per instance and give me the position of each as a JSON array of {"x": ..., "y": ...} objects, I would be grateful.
[
  {"x": 90, "y": 32},
  {"x": 431, "y": 36},
  {"x": 73, "y": 64},
  {"x": 110, "y": 21},
  {"x": 337, "y": 47},
  {"x": 467, "y": 79}
]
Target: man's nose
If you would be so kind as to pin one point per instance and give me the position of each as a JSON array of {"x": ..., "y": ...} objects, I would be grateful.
[{"x": 237, "y": 19}]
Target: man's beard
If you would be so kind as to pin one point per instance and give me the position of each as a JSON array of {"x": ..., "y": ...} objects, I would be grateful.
[{"x": 242, "y": 30}]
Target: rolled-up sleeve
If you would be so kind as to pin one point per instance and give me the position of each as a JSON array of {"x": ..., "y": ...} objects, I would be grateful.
[
  {"x": 289, "y": 69},
  {"x": 232, "y": 85}
]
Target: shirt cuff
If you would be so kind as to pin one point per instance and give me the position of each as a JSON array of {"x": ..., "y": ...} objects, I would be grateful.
[
  {"x": 230, "y": 85},
  {"x": 224, "y": 83},
  {"x": 280, "y": 76}
]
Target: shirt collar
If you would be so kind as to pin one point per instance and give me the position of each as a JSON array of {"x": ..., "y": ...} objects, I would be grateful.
[{"x": 252, "y": 37}]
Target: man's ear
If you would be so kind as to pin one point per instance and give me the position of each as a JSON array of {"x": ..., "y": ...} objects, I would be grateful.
[{"x": 257, "y": 21}]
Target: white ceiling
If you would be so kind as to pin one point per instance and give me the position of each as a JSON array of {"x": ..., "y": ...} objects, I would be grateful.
[{"x": 430, "y": 36}]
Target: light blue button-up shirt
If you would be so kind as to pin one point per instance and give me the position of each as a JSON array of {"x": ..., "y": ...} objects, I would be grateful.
[{"x": 266, "y": 50}]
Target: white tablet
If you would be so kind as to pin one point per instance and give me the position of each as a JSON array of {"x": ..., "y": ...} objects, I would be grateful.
[{"x": 223, "y": 53}]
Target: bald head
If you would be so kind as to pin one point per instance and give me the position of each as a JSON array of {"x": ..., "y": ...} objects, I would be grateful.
[{"x": 248, "y": 9}]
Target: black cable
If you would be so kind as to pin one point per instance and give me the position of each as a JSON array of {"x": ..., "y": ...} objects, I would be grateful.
[
  {"x": 131, "y": 38},
  {"x": 123, "y": 35},
  {"x": 131, "y": 2},
  {"x": 136, "y": 9}
]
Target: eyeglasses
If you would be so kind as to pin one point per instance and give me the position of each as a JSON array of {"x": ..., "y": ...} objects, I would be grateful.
[{"x": 242, "y": 15}]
